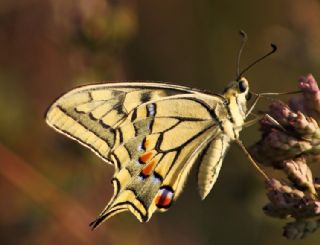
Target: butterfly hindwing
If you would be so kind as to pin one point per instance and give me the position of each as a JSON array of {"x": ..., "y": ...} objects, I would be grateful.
[{"x": 155, "y": 158}]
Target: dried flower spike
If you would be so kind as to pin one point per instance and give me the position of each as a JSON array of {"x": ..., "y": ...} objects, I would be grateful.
[{"x": 291, "y": 150}]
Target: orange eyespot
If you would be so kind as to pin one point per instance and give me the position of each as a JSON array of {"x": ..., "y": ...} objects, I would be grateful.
[
  {"x": 147, "y": 170},
  {"x": 145, "y": 157},
  {"x": 146, "y": 143}
]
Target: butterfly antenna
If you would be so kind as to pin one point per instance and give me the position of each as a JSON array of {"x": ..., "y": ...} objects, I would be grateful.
[
  {"x": 244, "y": 38},
  {"x": 274, "y": 49}
]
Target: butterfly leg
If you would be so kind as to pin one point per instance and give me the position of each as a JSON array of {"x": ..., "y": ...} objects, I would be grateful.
[
  {"x": 258, "y": 118},
  {"x": 267, "y": 96},
  {"x": 253, "y": 105},
  {"x": 252, "y": 122},
  {"x": 254, "y": 163},
  {"x": 255, "y": 120}
]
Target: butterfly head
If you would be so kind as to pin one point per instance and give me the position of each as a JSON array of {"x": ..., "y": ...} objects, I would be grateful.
[{"x": 238, "y": 89}]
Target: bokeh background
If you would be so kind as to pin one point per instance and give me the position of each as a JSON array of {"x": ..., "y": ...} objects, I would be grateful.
[{"x": 51, "y": 188}]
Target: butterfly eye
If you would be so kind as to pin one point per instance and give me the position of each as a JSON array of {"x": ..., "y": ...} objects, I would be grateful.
[{"x": 242, "y": 86}]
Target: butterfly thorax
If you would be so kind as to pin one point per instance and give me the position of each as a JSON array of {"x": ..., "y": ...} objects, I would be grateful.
[{"x": 237, "y": 94}]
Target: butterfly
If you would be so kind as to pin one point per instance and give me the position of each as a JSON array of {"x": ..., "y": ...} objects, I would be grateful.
[{"x": 153, "y": 133}]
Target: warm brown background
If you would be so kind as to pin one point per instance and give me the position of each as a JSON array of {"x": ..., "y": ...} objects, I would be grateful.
[{"x": 51, "y": 187}]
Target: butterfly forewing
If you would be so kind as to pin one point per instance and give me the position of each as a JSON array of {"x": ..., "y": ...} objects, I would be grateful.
[{"x": 89, "y": 114}]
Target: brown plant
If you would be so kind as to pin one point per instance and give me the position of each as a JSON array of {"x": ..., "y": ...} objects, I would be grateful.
[{"x": 292, "y": 147}]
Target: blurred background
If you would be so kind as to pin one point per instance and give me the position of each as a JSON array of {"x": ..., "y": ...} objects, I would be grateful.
[{"x": 51, "y": 187}]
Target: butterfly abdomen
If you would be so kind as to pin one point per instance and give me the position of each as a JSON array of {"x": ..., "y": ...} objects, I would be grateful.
[{"x": 210, "y": 164}]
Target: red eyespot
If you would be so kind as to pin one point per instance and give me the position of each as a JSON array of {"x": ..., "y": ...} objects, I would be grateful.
[{"x": 164, "y": 197}]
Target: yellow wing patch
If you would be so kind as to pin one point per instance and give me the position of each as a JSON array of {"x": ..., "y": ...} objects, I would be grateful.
[
  {"x": 88, "y": 114},
  {"x": 151, "y": 133},
  {"x": 155, "y": 160}
]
